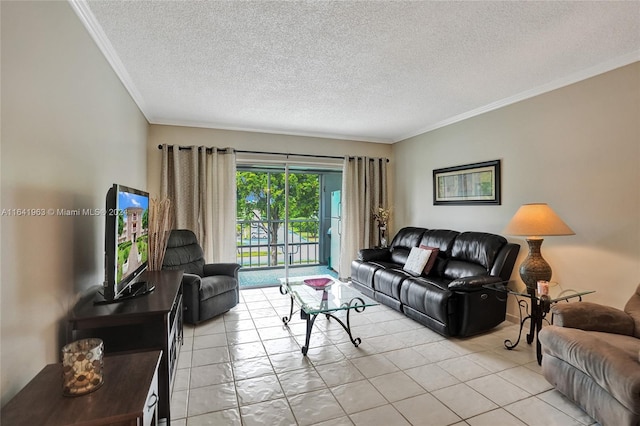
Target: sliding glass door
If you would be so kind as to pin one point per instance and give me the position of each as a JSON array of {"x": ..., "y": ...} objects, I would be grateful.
[{"x": 278, "y": 224}]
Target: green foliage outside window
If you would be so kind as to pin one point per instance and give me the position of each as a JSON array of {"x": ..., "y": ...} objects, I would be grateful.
[{"x": 261, "y": 197}]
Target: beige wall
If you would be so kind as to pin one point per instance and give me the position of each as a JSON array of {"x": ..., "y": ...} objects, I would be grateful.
[
  {"x": 69, "y": 131},
  {"x": 576, "y": 148},
  {"x": 187, "y": 136}
]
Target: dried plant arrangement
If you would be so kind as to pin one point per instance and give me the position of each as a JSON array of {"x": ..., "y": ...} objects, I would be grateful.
[{"x": 160, "y": 224}]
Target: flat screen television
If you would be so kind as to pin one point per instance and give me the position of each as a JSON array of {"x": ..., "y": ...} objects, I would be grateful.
[{"x": 126, "y": 244}]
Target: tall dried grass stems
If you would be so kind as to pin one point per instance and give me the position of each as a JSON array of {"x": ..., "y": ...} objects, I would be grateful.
[{"x": 160, "y": 224}]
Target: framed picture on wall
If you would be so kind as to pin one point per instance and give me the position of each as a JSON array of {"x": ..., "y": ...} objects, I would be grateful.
[{"x": 477, "y": 183}]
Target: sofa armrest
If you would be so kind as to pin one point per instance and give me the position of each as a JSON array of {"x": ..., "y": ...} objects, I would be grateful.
[
  {"x": 473, "y": 283},
  {"x": 592, "y": 317},
  {"x": 372, "y": 254},
  {"x": 191, "y": 297},
  {"x": 229, "y": 269}
]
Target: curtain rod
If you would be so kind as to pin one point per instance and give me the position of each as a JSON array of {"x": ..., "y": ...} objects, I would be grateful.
[{"x": 278, "y": 153}]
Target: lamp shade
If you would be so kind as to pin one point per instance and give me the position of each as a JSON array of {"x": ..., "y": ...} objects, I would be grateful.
[{"x": 536, "y": 220}]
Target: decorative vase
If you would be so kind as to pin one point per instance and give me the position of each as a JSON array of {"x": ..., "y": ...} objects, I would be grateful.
[
  {"x": 382, "y": 230},
  {"x": 82, "y": 367}
]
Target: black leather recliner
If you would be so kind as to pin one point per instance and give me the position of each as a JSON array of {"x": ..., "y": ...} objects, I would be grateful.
[
  {"x": 208, "y": 289},
  {"x": 451, "y": 299}
]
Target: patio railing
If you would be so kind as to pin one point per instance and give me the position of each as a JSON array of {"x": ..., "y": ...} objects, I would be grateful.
[{"x": 255, "y": 243}]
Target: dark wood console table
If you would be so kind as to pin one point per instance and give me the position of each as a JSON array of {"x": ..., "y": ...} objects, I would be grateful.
[
  {"x": 128, "y": 396},
  {"x": 152, "y": 321}
]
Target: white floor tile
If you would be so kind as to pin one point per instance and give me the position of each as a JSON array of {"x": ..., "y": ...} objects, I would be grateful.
[
  {"x": 526, "y": 379},
  {"x": 212, "y": 326},
  {"x": 251, "y": 368},
  {"x": 179, "y": 400},
  {"x": 493, "y": 361},
  {"x": 431, "y": 377},
  {"x": 406, "y": 358},
  {"x": 247, "y": 351},
  {"x": 340, "y": 421},
  {"x": 386, "y": 343},
  {"x": 396, "y": 386},
  {"x": 212, "y": 398},
  {"x": 499, "y": 390},
  {"x": 289, "y": 362},
  {"x": 301, "y": 381},
  {"x": 281, "y": 345},
  {"x": 497, "y": 417},
  {"x": 277, "y": 332},
  {"x": 181, "y": 381},
  {"x": 426, "y": 410},
  {"x": 245, "y": 367},
  {"x": 230, "y": 417},
  {"x": 358, "y": 396},
  {"x": 463, "y": 368},
  {"x": 562, "y": 403},
  {"x": 242, "y": 336},
  {"x": 436, "y": 351},
  {"x": 209, "y": 356},
  {"x": 325, "y": 355},
  {"x": 272, "y": 413},
  {"x": 315, "y": 407},
  {"x": 339, "y": 373},
  {"x": 374, "y": 365},
  {"x": 212, "y": 374},
  {"x": 535, "y": 412},
  {"x": 259, "y": 389},
  {"x": 210, "y": 341},
  {"x": 238, "y": 325},
  {"x": 381, "y": 416},
  {"x": 350, "y": 351},
  {"x": 464, "y": 400}
]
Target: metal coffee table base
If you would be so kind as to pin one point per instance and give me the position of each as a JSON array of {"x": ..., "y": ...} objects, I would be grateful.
[{"x": 356, "y": 304}]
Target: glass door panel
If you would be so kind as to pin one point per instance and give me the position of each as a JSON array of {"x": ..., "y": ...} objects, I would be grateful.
[{"x": 278, "y": 223}]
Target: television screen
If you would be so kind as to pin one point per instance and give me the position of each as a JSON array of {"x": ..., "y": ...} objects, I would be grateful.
[
  {"x": 132, "y": 232},
  {"x": 126, "y": 241}
]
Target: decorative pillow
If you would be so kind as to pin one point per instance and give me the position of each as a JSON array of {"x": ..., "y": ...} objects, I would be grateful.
[
  {"x": 417, "y": 260},
  {"x": 432, "y": 258}
]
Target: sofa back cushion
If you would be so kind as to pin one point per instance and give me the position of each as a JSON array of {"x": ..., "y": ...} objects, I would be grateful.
[
  {"x": 403, "y": 242},
  {"x": 442, "y": 239},
  {"x": 473, "y": 253}
]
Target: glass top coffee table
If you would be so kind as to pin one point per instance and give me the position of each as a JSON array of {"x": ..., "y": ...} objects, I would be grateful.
[
  {"x": 323, "y": 295},
  {"x": 540, "y": 306}
]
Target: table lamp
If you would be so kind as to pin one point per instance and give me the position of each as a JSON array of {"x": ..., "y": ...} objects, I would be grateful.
[{"x": 534, "y": 221}]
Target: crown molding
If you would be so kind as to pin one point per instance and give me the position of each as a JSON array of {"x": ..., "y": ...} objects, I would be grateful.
[
  {"x": 218, "y": 126},
  {"x": 81, "y": 8}
]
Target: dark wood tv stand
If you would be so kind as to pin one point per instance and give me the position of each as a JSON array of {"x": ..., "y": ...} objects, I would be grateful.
[{"x": 152, "y": 321}]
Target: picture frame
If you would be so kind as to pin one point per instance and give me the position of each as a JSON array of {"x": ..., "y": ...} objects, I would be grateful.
[{"x": 469, "y": 184}]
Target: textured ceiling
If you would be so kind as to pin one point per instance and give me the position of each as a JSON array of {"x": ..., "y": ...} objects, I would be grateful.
[{"x": 376, "y": 71}]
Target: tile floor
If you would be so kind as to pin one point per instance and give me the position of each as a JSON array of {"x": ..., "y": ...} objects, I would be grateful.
[{"x": 246, "y": 368}]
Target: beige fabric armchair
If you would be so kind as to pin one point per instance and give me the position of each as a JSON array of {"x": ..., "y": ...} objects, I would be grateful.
[{"x": 591, "y": 354}]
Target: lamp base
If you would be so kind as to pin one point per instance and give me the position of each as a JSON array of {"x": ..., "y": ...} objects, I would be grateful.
[{"x": 534, "y": 268}]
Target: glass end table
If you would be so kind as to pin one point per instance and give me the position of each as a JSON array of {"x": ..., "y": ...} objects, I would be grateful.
[
  {"x": 536, "y": 307},
  {"x": 314, "y": 300}
]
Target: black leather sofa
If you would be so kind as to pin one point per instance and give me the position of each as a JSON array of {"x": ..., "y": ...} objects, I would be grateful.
[{"x": 451, "y": 299}]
